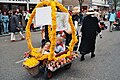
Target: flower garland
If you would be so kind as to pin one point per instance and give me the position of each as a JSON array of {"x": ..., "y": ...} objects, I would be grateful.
[
  {"x": 31, "y": 62},
  {"x": 74, "y": 38},
  {"x": 61, "y": 7},
  {"x": 52, "y": 33}
]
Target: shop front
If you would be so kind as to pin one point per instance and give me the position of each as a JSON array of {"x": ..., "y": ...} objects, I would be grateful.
[{"x": 13, "y": 5}]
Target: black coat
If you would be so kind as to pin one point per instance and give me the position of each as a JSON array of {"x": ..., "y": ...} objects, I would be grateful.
[
  {"x": 89, "y": 30},
  {"x": 75, "y": 17},
  {"x": 14, "y": 24}
]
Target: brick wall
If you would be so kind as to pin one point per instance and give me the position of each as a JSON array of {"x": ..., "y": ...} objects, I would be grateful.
[{"x": 70, "y": 2}]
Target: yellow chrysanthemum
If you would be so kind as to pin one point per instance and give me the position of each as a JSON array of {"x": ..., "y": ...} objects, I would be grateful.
[
  {"x": 31, "y": 62},
  {"x": 35, "y": 53}
]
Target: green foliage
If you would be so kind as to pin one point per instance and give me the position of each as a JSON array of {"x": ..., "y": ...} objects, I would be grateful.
[{"x": 116, "y": 3}]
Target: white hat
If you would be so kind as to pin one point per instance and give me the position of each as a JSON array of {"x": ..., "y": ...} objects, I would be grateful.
[
  {"x": 76, "y": 11},
  {"x": 90, "y": 11}
]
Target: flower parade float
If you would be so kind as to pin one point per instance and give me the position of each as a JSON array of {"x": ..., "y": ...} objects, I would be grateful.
[{"x": 34, "y": 60}]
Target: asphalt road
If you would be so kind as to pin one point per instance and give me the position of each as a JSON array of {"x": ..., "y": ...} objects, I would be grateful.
[{"x": 105, "y": 66}]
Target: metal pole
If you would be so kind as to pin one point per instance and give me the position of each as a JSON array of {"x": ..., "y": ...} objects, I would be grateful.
[
  {"x": 80, "y": 3},
  {"x": 90, "y": 3},
  {"x": 27, "y": 5},
  {"x": 80, "y": 6},
  {"x": 115, "y": 3}
]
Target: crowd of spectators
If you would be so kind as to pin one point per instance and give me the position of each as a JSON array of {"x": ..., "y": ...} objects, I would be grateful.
[{"x": 5, "y": 17}]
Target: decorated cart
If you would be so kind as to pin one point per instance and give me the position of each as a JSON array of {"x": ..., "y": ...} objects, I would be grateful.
[{"x": 34, "y": 60}]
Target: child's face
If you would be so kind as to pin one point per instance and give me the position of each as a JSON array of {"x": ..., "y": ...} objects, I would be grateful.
[
  {"x": 58, "y": 42},
  {"x": 46, "y": 47}
]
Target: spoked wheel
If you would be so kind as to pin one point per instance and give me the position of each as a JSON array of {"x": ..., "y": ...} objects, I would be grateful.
[
  {"x": 67, "y": 66},
  {"x": 48, "y": 74}
]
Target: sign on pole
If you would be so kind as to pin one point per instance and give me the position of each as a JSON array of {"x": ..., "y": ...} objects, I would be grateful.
[{"x": 43, "y": 16}]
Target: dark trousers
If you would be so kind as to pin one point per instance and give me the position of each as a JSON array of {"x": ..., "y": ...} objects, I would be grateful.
[
  {"x": 1, "y": 28},
  {"x": 0, "y": 31},
  {"x": 111, "y": 25},
  {"x": 68, "y": 38}
]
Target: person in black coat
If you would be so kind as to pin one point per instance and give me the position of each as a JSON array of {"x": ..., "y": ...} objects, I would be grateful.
[
  {"x": 15, "y": 27},
  {"x": 75, "y": 17},
  {"x": 89, "y": 30}
]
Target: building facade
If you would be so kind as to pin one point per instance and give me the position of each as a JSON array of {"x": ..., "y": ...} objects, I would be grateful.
[
  {"x": 69, "y": 4},
  {"x": 6, "y": 5},
  {"x": 100, "y": 4},
  {"x": 15, "y": 4}
]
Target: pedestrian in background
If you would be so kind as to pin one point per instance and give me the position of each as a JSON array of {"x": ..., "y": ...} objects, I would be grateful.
[
  {"x": 27, "y": 16},
  {"x": 9, "y": 15},
  {"x": 75, "y": 18},
  {"x": 111, "y": 18},
  {"x": 23, "y": 20},
  {"x": 97, "y": 14},
  {"x": 15, "y": 27},
  {"x": 89, "y": 30},
  {"x": 118, "y": 14},
  {"x": 5, "y": 22},
  {"x": 19, "y": 15},
  {"x": 1, "y": 28}
]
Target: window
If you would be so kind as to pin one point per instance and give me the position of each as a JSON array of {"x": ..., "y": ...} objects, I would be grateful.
[
  {"x": 14, "y": 7},
  {"x": 69, "y": 7},
  {"x": 5, "y": 7}
]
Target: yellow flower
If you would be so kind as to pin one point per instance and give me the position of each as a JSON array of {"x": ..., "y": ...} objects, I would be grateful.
[
  {"x": 53, "y": 33},
  {"x": 35, "y": 53},
  {"x": 31, "y": 62},
  {"x": 45, "y": 56}
]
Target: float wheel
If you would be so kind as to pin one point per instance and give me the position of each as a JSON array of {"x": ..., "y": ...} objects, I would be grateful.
[{"x": 48, "y": 74}]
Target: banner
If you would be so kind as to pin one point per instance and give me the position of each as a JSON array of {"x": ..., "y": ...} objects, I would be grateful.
[
  {"x": 62, "y": 21},
  {"x": 43, "y": 16}
]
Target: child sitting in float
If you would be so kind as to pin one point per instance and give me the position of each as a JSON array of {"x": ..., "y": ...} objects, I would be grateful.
[
  {"x": 45, "y": 48},
  {"x": 59, "y": 45}
]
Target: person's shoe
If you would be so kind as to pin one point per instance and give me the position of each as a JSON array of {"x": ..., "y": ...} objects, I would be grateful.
[
  {"x": 100, "y": 36},
  {"x": 22, "y": 38},
  {"x": 13, "y": 41},
  {"x": 82, "y": 58},
  {"x": 6, "y": 32},
  {"x": 92, "y": 55},
  {"x": 110, "y": 31}
]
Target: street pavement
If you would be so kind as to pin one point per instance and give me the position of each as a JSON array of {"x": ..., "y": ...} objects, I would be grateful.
[{"x": 105, "y": 66}]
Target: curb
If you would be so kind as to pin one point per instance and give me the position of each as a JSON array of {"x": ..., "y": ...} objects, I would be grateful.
[{"x": 3, "y": 35}]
